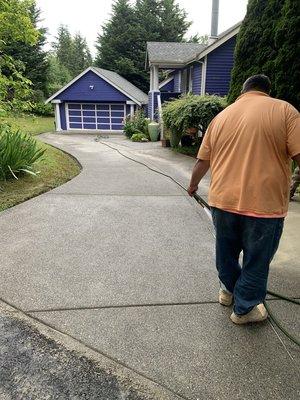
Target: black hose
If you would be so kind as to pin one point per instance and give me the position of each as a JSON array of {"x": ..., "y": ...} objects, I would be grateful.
[{"x": 206, "y": 207}]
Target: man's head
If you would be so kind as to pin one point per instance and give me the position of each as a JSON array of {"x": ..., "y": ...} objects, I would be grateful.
[{"x": 257, "y": 82}]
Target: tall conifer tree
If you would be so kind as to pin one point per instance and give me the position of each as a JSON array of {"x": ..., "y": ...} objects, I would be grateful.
[
  {"x": 122, "y": 44},
  {"x": 268, "y": 43}
]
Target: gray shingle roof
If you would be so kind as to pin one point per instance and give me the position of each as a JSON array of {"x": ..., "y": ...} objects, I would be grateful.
[
  {"x": 172, "y": 52},
  {"x": 123, "y": 84},
  {"x": 179, "y": 53}
]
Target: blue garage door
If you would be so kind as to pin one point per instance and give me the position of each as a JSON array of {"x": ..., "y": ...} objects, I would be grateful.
[{"x": 95, "y": 116}]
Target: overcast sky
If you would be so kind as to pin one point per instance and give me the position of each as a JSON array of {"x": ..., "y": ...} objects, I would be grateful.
[{"x": 88, "y": 16}]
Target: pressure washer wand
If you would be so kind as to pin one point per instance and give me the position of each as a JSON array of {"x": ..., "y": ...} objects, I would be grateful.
[{"x": 204, "y": 205}]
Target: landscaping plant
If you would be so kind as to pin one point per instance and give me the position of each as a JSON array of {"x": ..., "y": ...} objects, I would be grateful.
[
  {"x": 139, "y": 137},
  {"x": 190, "y": 111},
  {"x": 18, "y": 153},
  {"x": 136, "y": 124}
]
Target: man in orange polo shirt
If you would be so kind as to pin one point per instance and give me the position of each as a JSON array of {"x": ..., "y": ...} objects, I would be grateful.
[{"x": 248, "y": 147}]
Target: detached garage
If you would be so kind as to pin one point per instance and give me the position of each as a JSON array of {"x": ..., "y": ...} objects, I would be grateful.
[{"x": 97, "y": 99}]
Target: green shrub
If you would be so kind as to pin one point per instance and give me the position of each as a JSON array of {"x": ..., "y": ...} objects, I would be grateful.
[
  {"x": 129, "y": 128},
  {"x": 136, "y": 124},
  {"x": 139, "y": 137},
  {"x": 18, "y": 153},
  {"x": 44, "y": 110},
  {"x": 190, "y": 111}
]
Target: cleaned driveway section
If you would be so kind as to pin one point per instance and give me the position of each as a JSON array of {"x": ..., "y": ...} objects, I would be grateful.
[{"x": 121, "y": 259}]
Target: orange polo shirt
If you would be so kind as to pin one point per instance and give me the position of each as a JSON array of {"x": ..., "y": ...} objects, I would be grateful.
[{"x": 250, "y": 145}]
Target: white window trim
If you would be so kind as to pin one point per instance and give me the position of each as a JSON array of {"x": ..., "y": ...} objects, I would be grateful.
[
  {"x": 191, "y": 79},
  {"x": 203, "y": 76}
]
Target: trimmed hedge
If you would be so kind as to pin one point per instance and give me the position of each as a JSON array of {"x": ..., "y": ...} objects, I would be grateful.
[{"x": 190, "y": 111}]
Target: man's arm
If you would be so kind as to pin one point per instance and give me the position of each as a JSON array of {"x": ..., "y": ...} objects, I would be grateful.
[
  {"x": 199, "y": 170},
  {"x": 297, "y": 159}
]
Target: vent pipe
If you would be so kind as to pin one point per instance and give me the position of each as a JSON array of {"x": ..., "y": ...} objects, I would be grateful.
[{"x": 214, "y": 19}]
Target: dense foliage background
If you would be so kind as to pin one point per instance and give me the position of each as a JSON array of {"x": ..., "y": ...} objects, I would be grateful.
[{"x": 268, "y": 43}]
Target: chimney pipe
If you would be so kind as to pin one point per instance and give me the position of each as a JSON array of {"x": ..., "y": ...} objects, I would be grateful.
[{"x": 214, "y": 19}]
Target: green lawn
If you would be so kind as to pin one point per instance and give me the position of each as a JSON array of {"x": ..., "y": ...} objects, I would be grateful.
[
  {"x": 55, "y": 167},
  {"x": 31, "y": 124}
]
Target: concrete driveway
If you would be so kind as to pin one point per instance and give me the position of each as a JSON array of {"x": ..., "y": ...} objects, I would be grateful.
[{"x": 121, "y": 259}]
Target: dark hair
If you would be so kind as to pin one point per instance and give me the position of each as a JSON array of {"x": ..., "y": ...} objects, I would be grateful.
[{"x": 257, "y": 82}]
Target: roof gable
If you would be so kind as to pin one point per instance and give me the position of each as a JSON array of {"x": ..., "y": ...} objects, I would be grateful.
[
  {"x": 222, "y": 38},
  {"x": 112, "y": 83}
]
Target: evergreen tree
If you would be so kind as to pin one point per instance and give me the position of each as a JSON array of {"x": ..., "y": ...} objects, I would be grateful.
[
  {"x": 122, "y": 44},
  {"x": 81, "y": 55},
  {"x": 268, "y": 43},
  {"x": 287, "y": 63},
  {"x": 72, "y": 53},
  {"x": 64, "y": 47},
  {"x": 32, "y": 56},
  {"x": 57, "y": 75},
  {"x": 117, "y": 44},
  {"x": 173, "y": 21}
]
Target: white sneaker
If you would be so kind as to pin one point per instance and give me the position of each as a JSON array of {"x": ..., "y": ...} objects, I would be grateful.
[
  {"x": 225, "y": 298},
  {"x": 257, "y": 314}
]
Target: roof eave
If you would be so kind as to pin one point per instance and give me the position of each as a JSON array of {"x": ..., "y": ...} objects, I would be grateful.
[{"x": 167, "y": 64}]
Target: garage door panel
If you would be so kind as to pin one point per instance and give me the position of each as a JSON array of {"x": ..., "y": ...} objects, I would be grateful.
[
  {"x": 75, "y": 113},
  {"x": 117, "y": 127},
  {"x": 117, "y": 107},
  {"x": 75, "y": 106},
  {"x": 116, "y": 120},
  {"x": 103, "y": 107},
  {"x": 89, "y": 119},
  {"x": 117, "y": 114},
  {"x": 103, "y": 126},
  {"x": 88, "y": 113},
  {"x": 89, "y": 126},
  {"x": 75, "y": 126},
  {"x": 88, "y": 106},
  {"x": 75, "y": 119},
  {"x": 102, "y": 113}
]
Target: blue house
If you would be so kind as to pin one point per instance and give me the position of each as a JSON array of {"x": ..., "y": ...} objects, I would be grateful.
[
  {"x": 191, "y": 67},
  {"x": 97, "y": 100}
]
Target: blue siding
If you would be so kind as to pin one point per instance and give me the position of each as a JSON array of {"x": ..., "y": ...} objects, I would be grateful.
[
  {"x": 168, "y": 87},
  {"x": 150, "y": 105},
  {"x": 81, "y": 91},
  {"x": 177, "y": 81},
  {"x": 197, "y": 75},
  {"x": 218, "y": 70},
  {"x": 62, "y": 112}
]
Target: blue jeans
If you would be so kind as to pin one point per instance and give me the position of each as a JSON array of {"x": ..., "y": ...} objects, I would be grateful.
[{"x": 258, "y": 238}]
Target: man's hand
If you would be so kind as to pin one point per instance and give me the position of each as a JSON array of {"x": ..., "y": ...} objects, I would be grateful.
[
  {"x": 200, "y": 169},
  {"x": 192, "y": 190}
]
